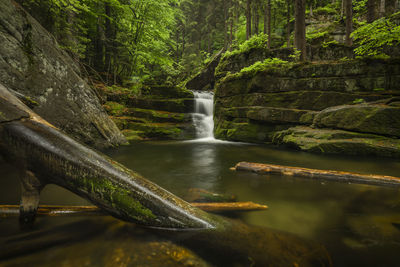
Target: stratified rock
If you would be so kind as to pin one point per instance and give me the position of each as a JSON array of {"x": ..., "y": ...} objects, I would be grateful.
[
  {"x": 367, "y": 118},
  {"x": 32, "y": 64}
]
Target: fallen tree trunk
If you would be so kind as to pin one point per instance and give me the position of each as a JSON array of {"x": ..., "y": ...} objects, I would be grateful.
[
  {"x": 348, "y": 177},
  {"x": 49, "y": 210}
]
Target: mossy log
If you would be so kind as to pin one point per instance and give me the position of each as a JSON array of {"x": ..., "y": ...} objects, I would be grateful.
[
  {"x": 348, "y": 177},
  {"x": 50, "y": 210}
]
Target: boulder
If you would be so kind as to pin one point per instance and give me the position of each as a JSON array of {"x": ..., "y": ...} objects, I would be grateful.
[
  {"x": 32, "y": 64},
  {"x": 368, "y": 118},
  {"x": 329, "y": 141}
]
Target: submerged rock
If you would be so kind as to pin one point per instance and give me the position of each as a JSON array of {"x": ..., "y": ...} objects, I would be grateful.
[{"x": 32, "y": 64}]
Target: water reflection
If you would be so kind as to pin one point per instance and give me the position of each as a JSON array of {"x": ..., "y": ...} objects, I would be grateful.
[{"x": 359, "y": 224}]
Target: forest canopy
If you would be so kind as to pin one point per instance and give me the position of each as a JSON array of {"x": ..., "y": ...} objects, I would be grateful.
[{"x": 166, "y": 41}]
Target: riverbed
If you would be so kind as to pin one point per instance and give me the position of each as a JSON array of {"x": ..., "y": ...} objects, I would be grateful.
[{"x": 358, "y": 224}]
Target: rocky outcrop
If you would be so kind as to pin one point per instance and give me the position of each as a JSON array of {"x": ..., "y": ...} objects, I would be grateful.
[
  {"x": 32, "y": 64},
  {"x": 205, "y": 80},
  {"x": 348, "y": 107},
  {"x": 150, "y": 116},
  {"x": 366, "y": 118}
]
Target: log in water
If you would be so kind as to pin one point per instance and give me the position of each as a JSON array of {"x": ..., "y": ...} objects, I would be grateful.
[{"x": 339, "y": 176}]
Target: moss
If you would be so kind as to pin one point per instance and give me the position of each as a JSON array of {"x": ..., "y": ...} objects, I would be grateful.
[
  {"x": 337, "y": 142},
  {"x": 132, "y": 135},
  {"x": 114, "y": 108},
  {"x": 119, "y": 198}
]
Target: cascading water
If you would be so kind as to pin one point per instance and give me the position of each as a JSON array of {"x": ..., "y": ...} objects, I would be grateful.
[{"x": 203, "y": 115}]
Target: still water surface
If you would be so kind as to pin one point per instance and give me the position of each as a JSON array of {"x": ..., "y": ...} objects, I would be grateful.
[{"x": 358, "y": 224}]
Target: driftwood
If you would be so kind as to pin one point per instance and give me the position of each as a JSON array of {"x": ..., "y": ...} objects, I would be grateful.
[
  {"x": 49, "y": 210},
  {"x": 230, "y": 206},
  {"x": 348, "y": 177}
]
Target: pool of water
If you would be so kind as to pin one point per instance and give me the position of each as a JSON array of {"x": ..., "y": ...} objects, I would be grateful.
[{"x": 358, "y": 224}]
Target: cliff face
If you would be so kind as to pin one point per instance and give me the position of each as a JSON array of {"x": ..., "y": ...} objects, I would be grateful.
[
  {"x": 350, "y": 107},
  {"x": 32, "y": 64}
]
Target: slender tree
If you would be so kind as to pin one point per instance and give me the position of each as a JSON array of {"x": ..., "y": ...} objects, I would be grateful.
[
  {"x": 268, "y": 14},
  {"x": 382, "y": 8},
  {"x": 288, "y": 17},
  {"x": 300, "y": 28},
  {"x": 371, "y": 16},
  {"x": 248, "y": 19},
  {"x": 349, "y": 21}
]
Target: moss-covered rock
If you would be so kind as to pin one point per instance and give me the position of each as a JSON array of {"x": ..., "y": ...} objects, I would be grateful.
[
  {"x": 251, "y": 131},
  {"x": 166, "y": 91},
  {"x": 307, "y": 100},
  {"x": 367, "y": 118},
  {"x": 337, "y": 142}
]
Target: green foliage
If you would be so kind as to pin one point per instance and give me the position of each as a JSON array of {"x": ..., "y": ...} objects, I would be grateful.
[
  {"x": 324, "y": 10},
  {"x": 360, "y": 7},
  {"x": 269, "y": 63},
  {"x": 296, "y": 55},
  {"x": 316, "y": 35},
  {"x": 373, "y": 38},
  {"x": 257, "y": 41},
  {"x": 327, "y": 44},
  {"x": 359, "y": 101}
]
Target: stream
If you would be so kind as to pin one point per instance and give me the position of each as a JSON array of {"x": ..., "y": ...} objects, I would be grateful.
[
  {"x": 356, "y": 223},
  {"x": 359, "y": 225}
]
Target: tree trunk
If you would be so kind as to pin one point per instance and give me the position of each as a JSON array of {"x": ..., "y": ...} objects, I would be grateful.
[
  {"x": 109, "y": 40},
  {"x": 371, "y": 16},
  {"x": 288, "y": 23},
  {"x": 349, "y": 21},
  {"x": 300, "y": 28},
  {"x": 248, "y": 20},
  {"x": 311, "y": 10},
  {"x": 382, "y": 8},
  {"x": 256, "y": 18},
  {"x": 269, "y": 23}
]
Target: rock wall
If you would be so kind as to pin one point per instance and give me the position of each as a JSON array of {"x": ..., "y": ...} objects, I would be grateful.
[
  {"x": 32, "y": 64},
  {"x": 161, "y": 114},
  {"x": 350, "y": 107}
]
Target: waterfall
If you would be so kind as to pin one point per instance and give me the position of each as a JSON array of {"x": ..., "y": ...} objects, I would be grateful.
[{"x": 203, "y": 115}]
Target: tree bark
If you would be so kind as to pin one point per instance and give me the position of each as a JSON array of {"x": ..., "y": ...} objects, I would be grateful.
[
  {"x": 268, "y": 14},
  {"x": 371, "y": 16},
  {"x": 248, "y": 20},
  {"x": 300, "y": 28},
  {"x": 348, "y": 177},
  {"x": 382, "y": 8},
  {"x": 349, "y": 21},
  {"x": 288, "y": 33},
  {"x": 256, "y": 18}
]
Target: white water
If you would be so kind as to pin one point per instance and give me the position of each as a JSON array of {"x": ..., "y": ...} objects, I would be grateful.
[{"x": 203, "y": 115}]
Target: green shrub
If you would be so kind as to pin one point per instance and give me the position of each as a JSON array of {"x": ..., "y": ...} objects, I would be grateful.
[
  {"x": 257, "y": 41},
  {"x": 269, "y": 63},
  {"x": 325, "y": 10},
  {"x": 372, "y": 38}
]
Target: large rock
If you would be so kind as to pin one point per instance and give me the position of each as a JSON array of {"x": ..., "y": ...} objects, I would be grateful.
[
  {"x": 367, "y": 118},
  {"x": 329, "y": 141},
  {"x": 32, "y": 64}
]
